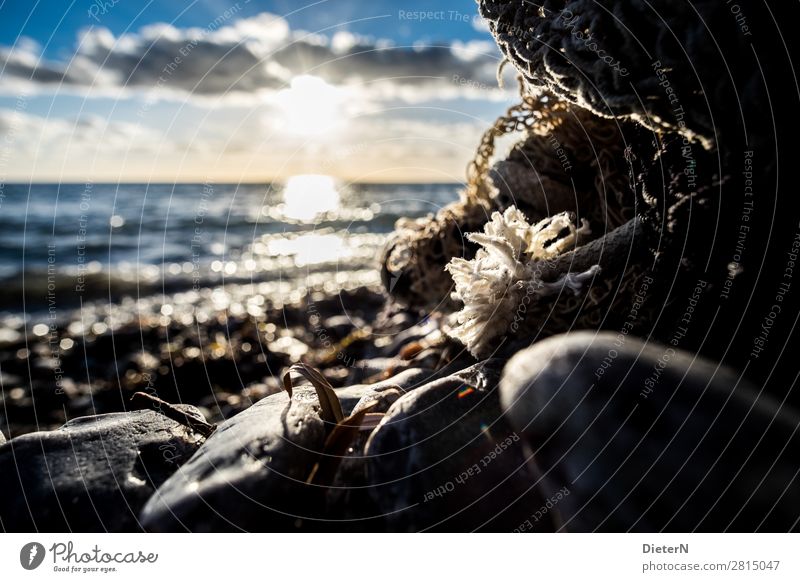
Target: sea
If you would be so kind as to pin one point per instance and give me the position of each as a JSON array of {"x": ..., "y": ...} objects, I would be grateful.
[{"x": 65, "y": 247}]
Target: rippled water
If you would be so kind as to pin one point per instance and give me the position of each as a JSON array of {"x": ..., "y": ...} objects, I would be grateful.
[{"x": 72, "y": 244}]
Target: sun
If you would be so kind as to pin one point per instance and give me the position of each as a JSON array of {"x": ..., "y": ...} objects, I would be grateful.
[{"x": 310, "y": 106}]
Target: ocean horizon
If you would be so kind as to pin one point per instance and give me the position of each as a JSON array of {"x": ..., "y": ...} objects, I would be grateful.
[{"x": 68, "y": 244}]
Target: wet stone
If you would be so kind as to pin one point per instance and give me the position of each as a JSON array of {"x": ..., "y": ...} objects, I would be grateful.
[
  {"x": 251, "y": 474},
  {"x": 93, "y": 474},
  {"x": 444, "y": 459},
  {"x": 648, "y": 438}
]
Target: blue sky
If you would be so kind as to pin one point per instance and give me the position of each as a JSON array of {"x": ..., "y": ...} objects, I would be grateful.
[
  {"x": 250, "y": 90},
  {"x": 54, "y": 23}
]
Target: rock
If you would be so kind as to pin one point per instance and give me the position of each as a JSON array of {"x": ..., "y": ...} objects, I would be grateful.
[
  {"x": 649, "y": 438},
  {"x": 379, "y": 401},
  {"x": 362, "y": 370},
  {"x": 393, "y": 344},
  {"x": 444, "y": 459},
  {"x": 2, "y": 438},
  {"x": 93, "y": 474},
  {"x": 251, "y": 473},
  {"x": 347, "y": 497},
  {"x": 340, "y": 326}
]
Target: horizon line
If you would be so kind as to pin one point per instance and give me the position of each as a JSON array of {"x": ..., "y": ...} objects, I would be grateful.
[{"x": 226, "y": 183}]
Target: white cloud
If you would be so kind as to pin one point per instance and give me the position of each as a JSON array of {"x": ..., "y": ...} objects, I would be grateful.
[
  {"x": 480, "y": 24},
  {"x": 474, "y": 50},
  {"x": 248, "y": 58},
  {"x": 218, "y": 101},
  {"x": 88, "y": 132}
]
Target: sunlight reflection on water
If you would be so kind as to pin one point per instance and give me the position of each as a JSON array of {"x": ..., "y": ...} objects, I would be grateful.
[
  {"x": 309, "y": 249},
  {"x": 307, "y": 196}
]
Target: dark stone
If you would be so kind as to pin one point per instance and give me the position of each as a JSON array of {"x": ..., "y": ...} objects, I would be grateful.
[
  {"x": 445, "y": 459},
  {"x": 340, "y": 326},
  {"x": 93, "y": 474},
  {"x": 358, "y": 395},
  {"x": 251, "y": 473},
  {"x": 347, "y": 499},
  {"x": 649, "y": 438},
  {"x": 379, "y": 401}
]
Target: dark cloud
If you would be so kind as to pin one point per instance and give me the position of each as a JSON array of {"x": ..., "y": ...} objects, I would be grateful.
[
  {"x": 248, "y": 56},
  {"x": 425, "y": 65},
  {"x": 22, "y": 65}
]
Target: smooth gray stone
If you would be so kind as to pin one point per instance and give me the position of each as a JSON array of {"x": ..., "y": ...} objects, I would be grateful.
[
  {"x": 93, "y": 474},
  {"x": 406, "y": 381},
  {"x": 649, "y": 438},
  {"x": 432, "y": 440},
  {"x": 379, "y": 401},
  {"x": 347, "y": 500},
  {"x": 251, "y": 473}
]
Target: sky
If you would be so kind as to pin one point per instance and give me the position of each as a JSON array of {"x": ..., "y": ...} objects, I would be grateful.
[{"x": 247, "y": 91}]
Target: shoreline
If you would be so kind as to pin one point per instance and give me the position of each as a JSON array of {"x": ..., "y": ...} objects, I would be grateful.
[{"x": 188, "y": 353}]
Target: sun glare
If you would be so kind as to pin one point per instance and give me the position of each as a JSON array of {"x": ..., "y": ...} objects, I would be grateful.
[
  {"x": 307, "y": 196},
  {"x": 310, "y": 106}
]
